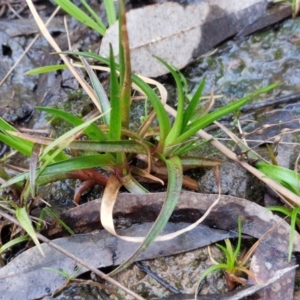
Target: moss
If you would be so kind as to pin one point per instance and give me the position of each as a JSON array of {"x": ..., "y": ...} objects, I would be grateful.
[{"x": 278, "y": 54}]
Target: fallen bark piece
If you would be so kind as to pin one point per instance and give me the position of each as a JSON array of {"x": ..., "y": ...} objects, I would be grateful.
[
  {"x": 25, "y": 277},
  {"x": 256, "y": 220}
]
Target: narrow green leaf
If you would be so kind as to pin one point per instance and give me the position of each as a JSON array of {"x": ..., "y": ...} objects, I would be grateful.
[
  {"x": 162, "y": 116},
  {"x": 23, "y": 218},
  {"x": 292, "y": 231},
  {"x": 173, "y": 193},
  {"x": 80, "y": 163},
  {"x": 24, "y": 147},
  {"x": 129, "y": 146},
  {"x": 68, "y": 135},
  {"x": 93, "y": 131},
  {"x": 93, "y": 14},
  {"x": 14, "y": 242},
  {"x": 206, "y": 272},
  {"x": 47, "y": 210},
  {"x": 132, "y": 185},
  {"x": 115, "y": 126},
  {"x": 17, "y": 144},
  {"x": 46, "y": 69},
  {"x": 228, "y": 253},
  {"x": 177, "y": 126},
  {"x": 63, "y": 273},
  {"x": 100, "y": 92},
  {"x": 110, "y": 11},
  {"x": 125, "y": 66},
  {"x": 34, "y": 158},
  {"x": 193, "y": 105},
  {"x": 284, "y": 176},
  {"x": 193, "y": 127},
  {"x": 79, "y": 15},
  {"x": 69, "y": 165}
]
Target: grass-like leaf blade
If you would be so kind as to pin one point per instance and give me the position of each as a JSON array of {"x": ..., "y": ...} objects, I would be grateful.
[
  {"x": 173, "y": 193},
  {"x": 93, "y": 131},
  {"x": 193, "y": 105},
  {"x": 23, "y": 218},
  {"x": 100, "y": 92},
  {"x": 284, "y": 176},
  {"x": 115, "y": 119},
  {"x": 192, "y": 128},
  {"x": 176, "y": 129},
  {"x": 79, "y": 15}
]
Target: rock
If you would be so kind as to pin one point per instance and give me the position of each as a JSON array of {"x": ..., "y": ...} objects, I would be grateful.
[{"x": 235, "y": 181}]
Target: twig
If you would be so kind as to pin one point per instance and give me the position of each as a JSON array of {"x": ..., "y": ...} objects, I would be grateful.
[{"x": 271, "y": 102}]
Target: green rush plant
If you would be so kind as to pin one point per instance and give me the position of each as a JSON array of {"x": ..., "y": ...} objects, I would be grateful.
[
  {"x": 289, "y": 179},
  {"x": 162, "y": 153},
  {"x": 293, "y": 214},
  {"x": 234, "y": 265}
]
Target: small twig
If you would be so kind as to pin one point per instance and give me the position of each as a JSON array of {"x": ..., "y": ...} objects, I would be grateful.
[
  {"x": 149, "y": 272},
  {"x": 271, "y": 102}
]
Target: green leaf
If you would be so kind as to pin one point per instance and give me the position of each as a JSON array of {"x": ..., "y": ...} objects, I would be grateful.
[
  {"x": 292, "y": 231},
  {"x": 115, "y": 126},
  {"x": 64, "y": 139},
  {"x": 173, "y": 193},
  {"x": 24, "y": 147},
  {"x": 228, "y": 253},
  {"x": 17, "y": 144},
  {"x": 47, "y": 210},
  {"x": 93, "y": 131},
  {"x": 177, "y": 126},
  {"x": 129, "y": 146},
  {"x": 79, "y": 15},
  {"x": 162, "y": 116},
  {"x": 23, "y": 218},
  {"x": 132, "y": 185},
  {"x": 71, "y": 164},
  {"x": 125, "y": 66},
  {"x": 208, "y": 271},
  {"x": 93, "y": 14},
  {"x": 100, "y": 92},
  {"x": 284, "y": 176},
  {"x": 193, "y": 127},
  {"x": 110, "y": 11},
  {"x": 193, "y": 105},
  {"x": 80, "y": 163},
  {"x": 14, "y": 242},
  {"x": 46, "y": 69}
]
